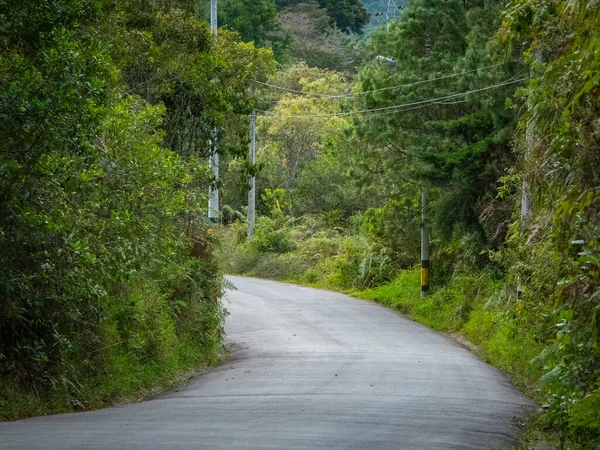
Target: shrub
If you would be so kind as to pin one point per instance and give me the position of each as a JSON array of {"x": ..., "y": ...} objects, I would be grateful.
[
  {"x": 272, "y": 235},
  {"x": 98, "y": 277},
  {"x": 287, "y": 267}
]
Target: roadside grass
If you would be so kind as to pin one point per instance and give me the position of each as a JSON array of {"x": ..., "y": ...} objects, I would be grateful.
[
  {"x": 474, "y": 307},
  {"x": 125, "y": 378}
]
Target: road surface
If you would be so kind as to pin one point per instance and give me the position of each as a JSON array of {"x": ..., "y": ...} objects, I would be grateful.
[{"x": 309, "y": 369}]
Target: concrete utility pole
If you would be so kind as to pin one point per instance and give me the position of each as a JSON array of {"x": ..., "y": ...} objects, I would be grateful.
[
  {"x": 424, "y": 201},
  {"x": 252, "y": 156},
  {"x": 213, "y": 16},
  {"x": 424, "y": 241},
  {"x": 213, "y": 161},
  {"x": 525, "y": 196}
]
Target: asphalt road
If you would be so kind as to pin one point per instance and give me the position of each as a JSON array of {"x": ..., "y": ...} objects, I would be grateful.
[{"x": 309, "y": 369}]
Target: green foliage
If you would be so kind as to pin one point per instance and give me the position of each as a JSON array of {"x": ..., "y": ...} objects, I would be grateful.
[
  {"x": 317, "y": 32},
  {"x": 557, "y": 248},
  {"x": 277, "y": 200},
  {"x": 309, "y": 252},
  {"x": 353, "y": 186},
  {"x": 170, "y": 58},
  {"x": 256, "y": 21},
  {"x": 460, "y": 146},
  {"x": 286, "y": 145},
  {"x": 315, "y": 42},
  {"x": 271, "y": 235},
  {"x": 348, "y": 15},
  {"x": 396, "y": 226},
  {"x": 324, "y": 184},
  {"x": 107, "y": 280}
]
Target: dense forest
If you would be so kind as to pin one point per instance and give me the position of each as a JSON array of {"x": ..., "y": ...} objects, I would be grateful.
[{"x": 110, "y": 276}]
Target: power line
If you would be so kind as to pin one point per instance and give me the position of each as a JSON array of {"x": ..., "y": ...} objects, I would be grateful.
[
  {"x": 387, "y": 113},
  {"x": 396, "y": 107},
  {"x": 281, "y": 88},
  {"x": 337, "y": 96}
]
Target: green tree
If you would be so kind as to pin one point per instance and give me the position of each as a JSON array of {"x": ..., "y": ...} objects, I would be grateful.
[
  {"x": 315, "y": 41},
  {"x": 106, "y": 274},
  {"x": 255, "y": 21},
  {"x": 292, "y": 138},
  {"x": 348, "y": 15},
  {"x": 461, "y": 146},
  {"x": 165, "y": 62}
]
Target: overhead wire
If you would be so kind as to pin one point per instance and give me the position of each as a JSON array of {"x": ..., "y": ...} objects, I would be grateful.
[
  {"x": 355, "y": 94},
  {"x": 396, "y": 108}
]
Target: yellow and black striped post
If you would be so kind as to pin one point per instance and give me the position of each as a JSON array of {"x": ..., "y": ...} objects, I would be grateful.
[
  {"x": 519, "y": 297},
  {"x": 424, "y": 277},
  {"x": 424, "y": 243}
]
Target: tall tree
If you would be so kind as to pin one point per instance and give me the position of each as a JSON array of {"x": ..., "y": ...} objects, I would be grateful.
[
  {"x": 348, "y": 15},
  {"x": 256, "y": 21},
  {"x": 105, "y": 266},
  {"x": 461, "y": 144},
  {"x": 291, "y": 139},
  {"x": 315, "y": 41}
]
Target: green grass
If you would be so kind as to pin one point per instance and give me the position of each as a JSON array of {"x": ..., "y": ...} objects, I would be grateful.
[
  {"x": 475, "y": 308},
  {"x": 124, "y": 378},
  {"x": 469, "y": 306}
]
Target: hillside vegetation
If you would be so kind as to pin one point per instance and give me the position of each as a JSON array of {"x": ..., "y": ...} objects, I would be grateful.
[
  {"x": 110, "y": 271},
  {"x": 108, "y": 109},
  {"x": 107, "y": 281},
  {"x": 487, "y": 103}
]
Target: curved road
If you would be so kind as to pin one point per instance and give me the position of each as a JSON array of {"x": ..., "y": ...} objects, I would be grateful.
[{"x": 309, "y": 369}]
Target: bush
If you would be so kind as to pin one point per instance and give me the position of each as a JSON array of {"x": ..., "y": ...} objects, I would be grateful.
[
  {"x": 361, "y": 265},
  {"x": 286, "y": 267},
  {"x": 104, "y": 285},
  {"x": 272, "y": 235}
]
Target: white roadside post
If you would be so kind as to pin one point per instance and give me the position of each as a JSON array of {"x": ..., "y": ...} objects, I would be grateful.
[
  {"x": 213, "y": 161},
  {"x": 252, "y": 157}
]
